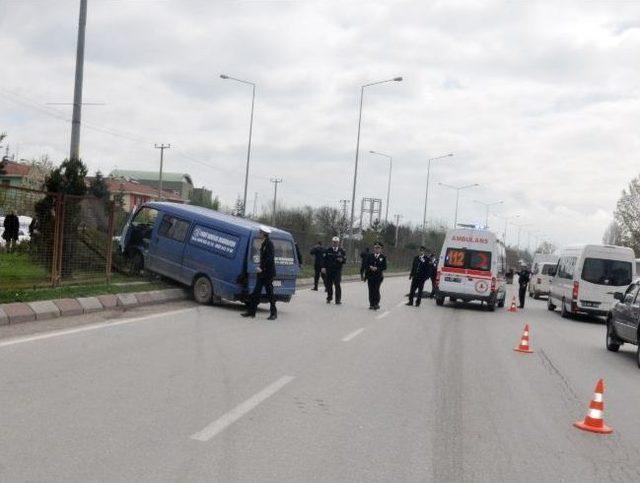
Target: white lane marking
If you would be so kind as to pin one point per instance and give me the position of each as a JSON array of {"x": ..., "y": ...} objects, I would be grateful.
[
  {"x": 401, "y": 303},
  {"x": 352, "y": 335},
  {"x": 87, "y": 328},
  {"x": 383, "y": 315},
  {"x": 240, "y": 410}
]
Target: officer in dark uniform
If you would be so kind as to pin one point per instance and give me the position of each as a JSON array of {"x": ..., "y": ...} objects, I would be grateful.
[
  {"x": 363, "y": 260},
  {"x": 333, "y": 260},
  {"x": 524, "y": 276},
  {"x": 266, "y": 272},
  {"x": 420, "y": 270},
  {"x": 376, "y": 264},
  {"x": 317, "y": 253},
  {"x": 433, "y": 270}
]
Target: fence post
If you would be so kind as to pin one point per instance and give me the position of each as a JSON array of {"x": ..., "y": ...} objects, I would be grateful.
[
  {"x": 110, "y": 240},
  {"x": 56, "y": 240}
]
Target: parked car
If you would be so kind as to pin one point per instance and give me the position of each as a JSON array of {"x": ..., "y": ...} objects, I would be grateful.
[
  {"x": 472, "y": 267},
  {"x": 217, "y": 255},
  {"x": 588, "y": 276},
  {"x": 623, "y": 320},
  {"x": 23, "y": 231}
]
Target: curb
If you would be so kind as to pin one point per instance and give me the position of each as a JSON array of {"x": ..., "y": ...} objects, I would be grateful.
[{"x": 18, "y": 312}]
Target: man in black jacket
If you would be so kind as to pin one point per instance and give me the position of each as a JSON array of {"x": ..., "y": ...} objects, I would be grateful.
[
  {"x": 433, "y": 271},
  {"x": 420, "y": 271},
  {"x": 11, "y": 230},
  {"x": 523, "y": 280},
  {"x": 317, "y": 253},
  {"x": 266, "y": 271},
  {"x": 376, "y": 264},
  {"x": 363, "y": 260},
  {"x": 333, "y": 260}
]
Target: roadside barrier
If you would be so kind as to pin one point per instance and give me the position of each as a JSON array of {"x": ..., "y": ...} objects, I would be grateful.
[
  {"x": 594, "y": 420},
  {"x": 524, "y": 342}
]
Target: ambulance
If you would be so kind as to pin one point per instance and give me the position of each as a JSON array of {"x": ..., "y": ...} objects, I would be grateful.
[{"x": 472, "y": 267}]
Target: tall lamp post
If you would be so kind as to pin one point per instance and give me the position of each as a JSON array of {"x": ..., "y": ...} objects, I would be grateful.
[
  {"x": 426, "y": 193},
  {"x": 246, "y": 173},
  {"x": 520, "y": 227},
  {"x": 386, "y": 211},
  {"x": 487, "y": 207},
  {"x": 355, "y": 171},
  {"x": 458, "y": 189}
]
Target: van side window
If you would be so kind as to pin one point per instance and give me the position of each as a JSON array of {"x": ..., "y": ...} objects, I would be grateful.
[{"x": 174, "y": 228}]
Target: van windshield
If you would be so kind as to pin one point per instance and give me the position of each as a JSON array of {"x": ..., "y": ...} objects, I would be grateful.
[
  {"x": 547, "y": 269},
  {"x": 283, "y": 251},
  {"x": 471, "y": 259},
  {"x": 607, "y": 272}
]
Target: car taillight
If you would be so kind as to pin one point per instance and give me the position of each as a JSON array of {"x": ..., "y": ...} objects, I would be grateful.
[
  {"x": 493, "y": 284},
  {"x": 438, "y": 278},
  {"x": 576, "y": 287},
  {"x": 539, "y": 280}
]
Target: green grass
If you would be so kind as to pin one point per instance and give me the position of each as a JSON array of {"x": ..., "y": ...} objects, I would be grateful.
[
  {"x": 72, "y": 291},
  {"x": 17, "y": 270}
]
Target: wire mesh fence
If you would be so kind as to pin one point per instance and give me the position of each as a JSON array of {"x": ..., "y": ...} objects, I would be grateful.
[{"x": 50, "y": 239}]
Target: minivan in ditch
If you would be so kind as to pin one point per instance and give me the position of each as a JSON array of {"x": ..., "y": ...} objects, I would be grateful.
[
  {"x": 215, "y": 254},
  {"x": 587, "y": 278}
]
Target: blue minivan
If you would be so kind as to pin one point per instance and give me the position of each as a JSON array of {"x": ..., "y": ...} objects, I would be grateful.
[{"x": 213, "y": 253}]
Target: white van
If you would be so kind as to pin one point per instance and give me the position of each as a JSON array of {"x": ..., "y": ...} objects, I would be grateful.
[
  {"x": 587, "y": 277},
  {"x": 472, "y": 267},
  {"x": 542, "y": 270}
]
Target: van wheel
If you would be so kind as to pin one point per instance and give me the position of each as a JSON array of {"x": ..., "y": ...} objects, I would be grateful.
[
  {"x": 550, "y": 306},
  {"x": 202, "y": 290},
  {"x": 564, "y": 313},
  {"x": 491, "y": 306},
  {"x": 501, "y": 301},
  {"x": 613, "y": 343},
  {"x": 439, "y": 300},
  {"x": 536, "y": 296}
]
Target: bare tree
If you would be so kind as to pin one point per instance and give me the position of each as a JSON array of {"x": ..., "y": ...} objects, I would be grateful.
[
  {"x": 627, "y": 216},
  {"x": 612, "y": 235},
  {"x": 328, "y": 220}
]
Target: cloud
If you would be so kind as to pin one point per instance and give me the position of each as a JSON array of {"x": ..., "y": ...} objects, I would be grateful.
[{"x": 538, "y": 101}]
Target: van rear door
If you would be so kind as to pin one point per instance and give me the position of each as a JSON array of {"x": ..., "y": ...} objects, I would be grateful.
[
  {"x": 287, "y": 267},
  {"x": 467, "y": 271},
  {"x": 600, "y": 278}
]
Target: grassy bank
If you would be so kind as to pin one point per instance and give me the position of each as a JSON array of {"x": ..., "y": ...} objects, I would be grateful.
[{"x": 72, "y": 291}]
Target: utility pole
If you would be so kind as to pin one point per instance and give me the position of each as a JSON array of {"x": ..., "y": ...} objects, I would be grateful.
[
  {"x": 398, "y": 218},
  {"x": 77, "y": 90},
  {"x": 161, "y": 147},
  {"x": 275, "y": 182},
  {"x": 343, "y": 217}
]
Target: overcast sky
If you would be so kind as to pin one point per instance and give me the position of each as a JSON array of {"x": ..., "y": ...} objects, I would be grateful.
[{"x": 539, "y": 101}]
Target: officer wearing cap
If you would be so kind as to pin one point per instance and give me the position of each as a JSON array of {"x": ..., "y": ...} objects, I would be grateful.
[
  {"x": 318, "y": 254},
  {"x": 420, "y": 270},
  {"x": 265, "y": 273},
  {"x": 333, "y": 260},
  {"x": 376, "y": 264}
]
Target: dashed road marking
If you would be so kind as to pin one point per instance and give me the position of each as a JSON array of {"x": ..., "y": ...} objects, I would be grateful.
[
  {"x": 352, "y": 335},
  {"x": 227, "y": 419},
  {"x": 383, "y": 315}
]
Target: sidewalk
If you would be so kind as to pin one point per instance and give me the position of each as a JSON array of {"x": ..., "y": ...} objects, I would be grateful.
[{"x": 15, "y": 313}]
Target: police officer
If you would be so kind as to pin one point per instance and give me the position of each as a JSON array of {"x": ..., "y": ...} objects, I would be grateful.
[
  {"x": 266, "y": 273},
  {"x": 523, "y": 280},
  {"x": 333, "y": 260},
  {"x": 420, "y": 270},
  {"x": 433, "y": 270},
  {"x": 376, "y": 264},
  {"x": 317, "y": 253},
  {"x": 363, "y": 264}
]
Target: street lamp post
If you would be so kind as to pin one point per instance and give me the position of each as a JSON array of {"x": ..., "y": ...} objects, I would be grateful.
[
  {"x": 426, "y": 194},
  {"x": 458, "y": 189},
  {"x": 506, "y": 224},
  {"x": 355, "y": 171},
  {"x": 520, "y": 227},
  {"x": 487, "y": 207},
  {"x": 246, "y": 173},
  {"x": 386, "y": 211}
]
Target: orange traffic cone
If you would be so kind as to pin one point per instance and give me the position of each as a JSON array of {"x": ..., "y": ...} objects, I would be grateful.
[
  {"x": 594, "y": 421},
  {"x": 513, "y": 307},
  {"x": 524, "y": 342}
]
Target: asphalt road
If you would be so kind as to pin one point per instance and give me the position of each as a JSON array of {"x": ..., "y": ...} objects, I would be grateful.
[{"x": 325, "y": 393}]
